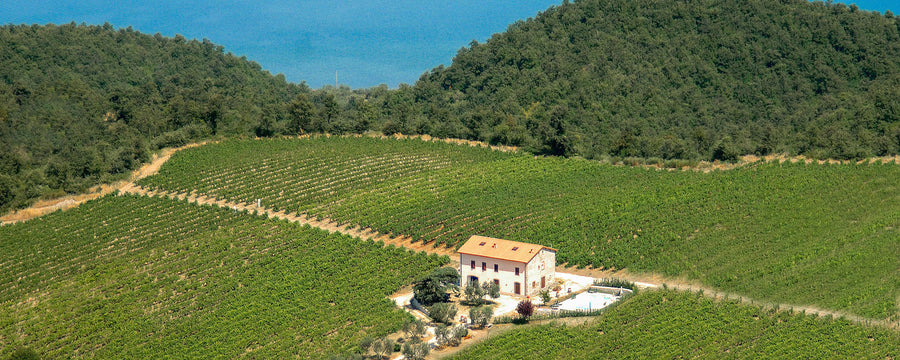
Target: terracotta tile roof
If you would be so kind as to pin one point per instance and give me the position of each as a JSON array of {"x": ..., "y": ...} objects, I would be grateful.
[{"x": 501, "y": 249}]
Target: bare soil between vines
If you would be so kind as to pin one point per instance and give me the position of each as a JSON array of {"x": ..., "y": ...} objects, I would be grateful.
[{"x": 644, "y": 280}]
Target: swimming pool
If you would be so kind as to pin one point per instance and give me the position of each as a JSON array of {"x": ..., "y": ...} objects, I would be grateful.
[{"x": 587, "y": 301}]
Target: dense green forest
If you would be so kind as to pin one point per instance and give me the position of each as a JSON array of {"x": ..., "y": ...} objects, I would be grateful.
[
  {"x": 705, "y": 79},
  {"x": 82, "y": 104}
]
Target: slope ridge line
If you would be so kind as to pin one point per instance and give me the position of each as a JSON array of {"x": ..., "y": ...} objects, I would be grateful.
[
  {"x": 642, "y": 280},
  {"x": 322, "y": 223},
  {"x": 44, "y": 207}
]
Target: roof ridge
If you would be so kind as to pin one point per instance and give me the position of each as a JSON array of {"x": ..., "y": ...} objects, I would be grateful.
[{"x": 485, "y": 246}]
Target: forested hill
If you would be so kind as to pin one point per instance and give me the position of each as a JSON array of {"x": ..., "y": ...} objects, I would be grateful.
[
  {"x": 707, "y": 79},
  {"x": 700, "y": 79},
  {"x": 81, "y": 104}
]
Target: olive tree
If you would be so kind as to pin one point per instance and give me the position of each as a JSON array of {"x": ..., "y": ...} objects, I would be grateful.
[
  {"x": 442, "y": 312},
  {"x": 481, "y": 315},
  {"x": 416, "y": 350},
  {"x": 474, "y": 293}
]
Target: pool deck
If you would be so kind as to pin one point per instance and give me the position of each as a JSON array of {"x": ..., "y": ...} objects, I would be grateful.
[{"x": 588, "y": 301}]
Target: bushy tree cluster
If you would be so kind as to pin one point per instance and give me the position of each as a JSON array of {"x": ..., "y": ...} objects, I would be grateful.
[
  {"x": 82, "y": 104},
  {"x": 435, "y": 286},
  {"x": 442, "y": 312},
  {"x": 481, "y": 315},
  {"x": 447, "y": 335},
  {"x": 709, "y": 79},
  {"x": 474, "y": 293}
]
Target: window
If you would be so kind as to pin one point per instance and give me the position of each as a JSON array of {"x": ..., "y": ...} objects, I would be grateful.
[
  {"x": 483, "y": 266},
  {"x": 473, "y": 264},
  {"x": 497, "y": 282},
  {"x": 482, "y": 243},
  {"x": 515, "y": 248},
  {"x": 517, "y": 271},
  {"x": 496, "y": 268}
]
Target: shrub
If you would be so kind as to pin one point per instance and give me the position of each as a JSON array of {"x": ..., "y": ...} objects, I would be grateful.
[
  {"x": 510, "y": 319},
  {"x": 413, "y": 328},
  {"x": 442, "y": 312},
  {"x": 616, "y": 282},
  {"x": 545, "y": 296},
  {"x": 491, "y": 289},
  {"x": 457, "y": 334},
  {"x": 481, "y": 315},
  {"x": 452, "y": 336},
  {"x": 525, "y": 309},
  {"x": 366, "y": 343},
  {"x": 383, "y": 347},
  {"x": 441, "y": 334},
  {"x": 474, "y": 293},
  {"x": 416, "y": 350}
]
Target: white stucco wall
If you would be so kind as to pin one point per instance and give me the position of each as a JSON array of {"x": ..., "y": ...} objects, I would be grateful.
[{"x": 543, "y": 264}]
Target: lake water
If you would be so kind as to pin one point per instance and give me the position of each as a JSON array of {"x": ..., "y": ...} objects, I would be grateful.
[{"x": 364, "y": 43}]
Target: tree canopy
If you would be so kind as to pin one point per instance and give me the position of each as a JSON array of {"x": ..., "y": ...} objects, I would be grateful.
[
  {"x": 698, "y": 80},
  {"x": 83, "y": 104},
  {"x": 706, "y": 79},
  {"x": 435, "y": 286}
]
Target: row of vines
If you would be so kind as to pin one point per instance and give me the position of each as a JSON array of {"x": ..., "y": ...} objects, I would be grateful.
[
  {"x": 668, "y": 324},
  {"x": 144, "y": 277},
  {"x": 789, "y": 233}
]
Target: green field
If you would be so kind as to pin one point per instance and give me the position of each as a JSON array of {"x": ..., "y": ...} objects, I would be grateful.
[
  {"x": 145, "y": 278},
  {"x": 668, "y": 324},
  {"x": 821, "y": 235}
]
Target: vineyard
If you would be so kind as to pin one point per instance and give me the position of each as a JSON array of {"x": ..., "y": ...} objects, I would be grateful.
[
  {"x": 668, "y": 324},
  {"x": 142, "y": 278},
  {"x": 780, "y": 232}
]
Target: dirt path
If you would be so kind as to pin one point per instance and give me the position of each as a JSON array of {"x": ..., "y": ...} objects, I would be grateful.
[
  {"x": 654, "y": 280},
  {"x": 43, "y": 207},
  {"x": 324, "y": 224},
  {"x": 643, "y": 280}
]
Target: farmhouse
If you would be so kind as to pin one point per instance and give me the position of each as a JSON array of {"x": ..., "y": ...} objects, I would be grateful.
[{"x": 519, "y": 268}]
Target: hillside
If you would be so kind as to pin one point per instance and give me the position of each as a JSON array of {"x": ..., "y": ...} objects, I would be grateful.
[
  {"x": 702, "y": 80},
  {"x": 783, "y": 233},
  {"x": 81, "y": 104},
  {"x": 148, "y": 278},
  {"x": 675, "y": 325},
  {"x": 707, "y": 79}
]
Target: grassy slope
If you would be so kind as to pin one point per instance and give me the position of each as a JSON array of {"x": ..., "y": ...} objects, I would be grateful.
[
  {"x": 789, "y": 233},
  {"x": 669, "y": 324},
  {"x": 138, "y": 277}
]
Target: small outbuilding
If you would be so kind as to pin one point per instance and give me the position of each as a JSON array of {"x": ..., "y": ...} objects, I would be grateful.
[{"x": 519, "y": 268}]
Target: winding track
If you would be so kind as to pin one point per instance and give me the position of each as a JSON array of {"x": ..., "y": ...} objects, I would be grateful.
[{"x": 643, "y": 280}]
